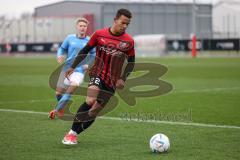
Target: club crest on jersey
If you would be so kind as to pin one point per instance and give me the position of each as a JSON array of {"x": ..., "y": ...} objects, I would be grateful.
[{"x": 123, "y": 46}]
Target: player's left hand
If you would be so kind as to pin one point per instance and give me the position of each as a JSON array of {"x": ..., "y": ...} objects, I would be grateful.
[
  {"x": 85, "y": 66},
  {"x": 120, "y": 84}
]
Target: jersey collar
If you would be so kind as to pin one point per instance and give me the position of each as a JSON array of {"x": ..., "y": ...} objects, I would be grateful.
[
  {"x": 80, "y": 37},
  {"x": 116, "y": 35}
]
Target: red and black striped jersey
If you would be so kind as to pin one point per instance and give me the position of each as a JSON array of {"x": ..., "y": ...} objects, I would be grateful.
[{"x": 111, "y": 52}]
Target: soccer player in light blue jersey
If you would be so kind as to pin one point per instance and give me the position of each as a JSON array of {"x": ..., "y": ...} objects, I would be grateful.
[{"x": 71, "y": 45}]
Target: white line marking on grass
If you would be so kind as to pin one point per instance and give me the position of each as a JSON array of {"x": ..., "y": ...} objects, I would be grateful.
[
  {"x": 23, "y": 111},
  {"x": 174, "y": 123},
  {"x": 27, "y": 101},
  {"x": 136, "y": 120},
  {"x": 174, "y": 91},
  {"x": 207, "y": 90}
]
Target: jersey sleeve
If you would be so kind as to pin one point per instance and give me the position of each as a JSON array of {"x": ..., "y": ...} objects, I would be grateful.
[
  {"x": 63, "y": 48},
  {"x": 93, "y": 40},
  {"x": 131, "y": 51}
]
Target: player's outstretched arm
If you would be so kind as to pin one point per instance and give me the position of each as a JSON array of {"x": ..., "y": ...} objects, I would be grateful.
[
  {"x": 80, "y": 57},
  {"x": 82, "y": 54},
  {"x": 62, "y": 50},
  {"x": 129, "y": 68}
]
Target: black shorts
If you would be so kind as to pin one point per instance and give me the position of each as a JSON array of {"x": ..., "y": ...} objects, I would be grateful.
[{"x": 105, "y": 92}]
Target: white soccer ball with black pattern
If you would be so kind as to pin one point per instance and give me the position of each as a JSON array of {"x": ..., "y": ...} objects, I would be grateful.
[{"x": 159, "y": 143}]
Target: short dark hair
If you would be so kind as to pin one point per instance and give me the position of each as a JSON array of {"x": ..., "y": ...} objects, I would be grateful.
[{"x": 123, "y": 12}]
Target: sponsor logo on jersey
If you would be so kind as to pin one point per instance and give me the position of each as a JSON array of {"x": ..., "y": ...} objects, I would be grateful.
[{"x": 111, "y": 51}]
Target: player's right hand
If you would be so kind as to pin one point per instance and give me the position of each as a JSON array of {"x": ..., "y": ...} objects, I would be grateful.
[
  {"x": 60, "y": 59},
  {"x": 120, "y": 84},
  {"x": 69, "y": 72}
]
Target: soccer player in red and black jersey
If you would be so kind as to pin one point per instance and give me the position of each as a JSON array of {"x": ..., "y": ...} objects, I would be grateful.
[{"x": 113, "y": 47}]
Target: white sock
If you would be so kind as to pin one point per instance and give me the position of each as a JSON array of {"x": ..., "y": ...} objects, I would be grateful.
[{"x": 72, "y": 132}]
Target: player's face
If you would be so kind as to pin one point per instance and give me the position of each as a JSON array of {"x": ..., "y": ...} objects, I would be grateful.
[
  {"x": 81, "y": 28},
  {"x": 122, "y": 23}
]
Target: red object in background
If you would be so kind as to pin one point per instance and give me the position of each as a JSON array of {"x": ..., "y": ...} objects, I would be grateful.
[
  {"x": 90, "y": 18},
  {"x": 194, "y": 45}
]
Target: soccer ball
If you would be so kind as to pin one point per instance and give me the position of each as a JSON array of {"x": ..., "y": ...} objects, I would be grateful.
[{"x": 159, "y": 143}]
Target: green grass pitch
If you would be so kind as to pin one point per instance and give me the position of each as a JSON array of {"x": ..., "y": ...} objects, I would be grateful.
[{"x": 206, "y": 92}]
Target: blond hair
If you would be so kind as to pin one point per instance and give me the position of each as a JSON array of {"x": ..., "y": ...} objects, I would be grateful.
[{"x": 82, "y": 19}]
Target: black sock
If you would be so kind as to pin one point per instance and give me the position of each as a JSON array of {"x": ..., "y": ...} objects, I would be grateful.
[
  {"x": 58, "y": 96},
  {"x": 82, "y": 120}
]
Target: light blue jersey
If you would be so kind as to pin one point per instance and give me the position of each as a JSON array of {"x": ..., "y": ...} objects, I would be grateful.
[{"x": 72, "y": 45}]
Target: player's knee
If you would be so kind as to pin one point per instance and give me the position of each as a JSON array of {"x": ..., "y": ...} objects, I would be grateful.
[
  {"x": 90, "y": 100},
  {"x": 94, "y": 112}
]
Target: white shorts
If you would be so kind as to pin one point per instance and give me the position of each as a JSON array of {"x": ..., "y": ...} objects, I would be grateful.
[{"x": 75, "y": 79}]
